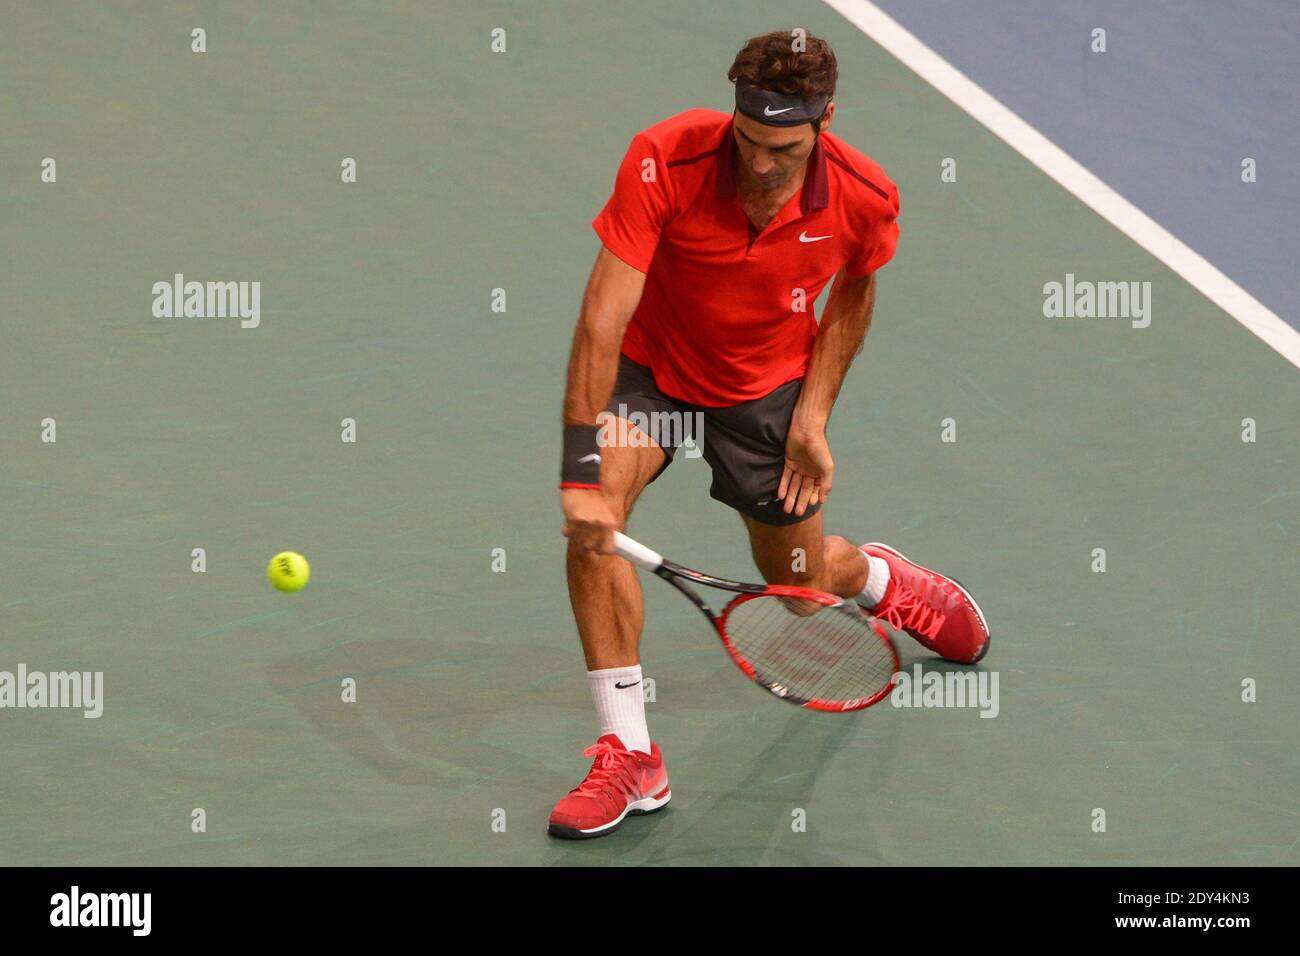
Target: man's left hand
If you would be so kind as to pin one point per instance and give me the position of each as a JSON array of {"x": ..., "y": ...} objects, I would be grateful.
[{"x": 809, "y": 470}]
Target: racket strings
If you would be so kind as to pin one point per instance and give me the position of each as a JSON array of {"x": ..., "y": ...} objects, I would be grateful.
[{"x": 828, "y": 655}]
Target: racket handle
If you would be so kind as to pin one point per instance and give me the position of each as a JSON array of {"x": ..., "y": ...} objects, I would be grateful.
[{"x": 636, "y": 552}]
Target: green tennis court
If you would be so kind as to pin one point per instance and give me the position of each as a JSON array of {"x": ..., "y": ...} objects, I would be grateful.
[{"x": 479, "y": 171}]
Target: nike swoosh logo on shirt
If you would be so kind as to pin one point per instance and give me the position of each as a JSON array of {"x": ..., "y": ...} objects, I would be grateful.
[
  {"x": 804, "y": 237},
  {"x": 768, "y": 111}
]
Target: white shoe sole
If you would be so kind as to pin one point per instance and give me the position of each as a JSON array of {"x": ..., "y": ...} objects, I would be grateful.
[{"x": 635, "y": 808}]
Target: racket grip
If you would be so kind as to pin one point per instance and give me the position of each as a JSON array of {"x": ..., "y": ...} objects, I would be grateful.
[{"x": 636, "y": 552}]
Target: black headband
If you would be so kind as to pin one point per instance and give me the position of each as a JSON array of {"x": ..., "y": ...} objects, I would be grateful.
[{"x": 779, "y": 109}]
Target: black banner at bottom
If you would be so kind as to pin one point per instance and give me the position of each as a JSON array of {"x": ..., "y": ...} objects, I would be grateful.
[{"x": 332, "y": 905}]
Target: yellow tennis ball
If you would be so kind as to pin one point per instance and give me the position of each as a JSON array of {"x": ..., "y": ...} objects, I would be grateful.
[{"x": 288, "y": 571}]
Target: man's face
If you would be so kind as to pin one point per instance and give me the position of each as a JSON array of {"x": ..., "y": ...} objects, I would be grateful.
[{"x": 770, "y": 155}]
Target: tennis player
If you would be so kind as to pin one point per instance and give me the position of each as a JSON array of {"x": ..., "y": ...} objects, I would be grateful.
[{"x": 722, "y": 231}]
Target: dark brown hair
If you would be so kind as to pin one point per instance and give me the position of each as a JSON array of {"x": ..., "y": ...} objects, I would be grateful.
[{"x": 770, "y": 63}]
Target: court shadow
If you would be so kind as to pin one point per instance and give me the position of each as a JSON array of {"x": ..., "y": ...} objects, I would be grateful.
[
  {"x": 424, "y": 710},
  {"x": 751, "y": 821}
]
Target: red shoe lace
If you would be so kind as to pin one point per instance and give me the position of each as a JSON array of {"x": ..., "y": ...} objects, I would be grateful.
[
  {"x": 609, "y": 761},
  {"x": 907, "y": 612}
]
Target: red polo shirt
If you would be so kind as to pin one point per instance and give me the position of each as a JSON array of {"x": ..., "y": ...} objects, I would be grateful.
[{"x": 717, "y": 323}]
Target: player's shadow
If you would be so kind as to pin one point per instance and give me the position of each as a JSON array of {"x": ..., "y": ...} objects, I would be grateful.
[
  {"x": 782, "y": 777},
  {"x": 750, "y": 821},
  {"x": 423, "y": 709},
  {"x": 744, "y": 824}
]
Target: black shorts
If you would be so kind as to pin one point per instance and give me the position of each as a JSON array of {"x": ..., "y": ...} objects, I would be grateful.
[{"x": 744, "y": 444}]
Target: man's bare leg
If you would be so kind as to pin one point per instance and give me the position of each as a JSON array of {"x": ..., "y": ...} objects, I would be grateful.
[
  {"x": 628, "y": 774},
  {"x": 603, "y": 589},
  {"x": 799, "y": 554}
]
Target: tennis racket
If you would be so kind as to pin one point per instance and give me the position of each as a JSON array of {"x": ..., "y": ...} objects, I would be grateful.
[{"x": 807, "y": 647}]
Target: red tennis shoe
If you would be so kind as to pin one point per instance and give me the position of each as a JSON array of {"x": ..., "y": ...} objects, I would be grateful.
[
  {"x": 932, "y": 608},
  {"x": 620, "y": 782}
]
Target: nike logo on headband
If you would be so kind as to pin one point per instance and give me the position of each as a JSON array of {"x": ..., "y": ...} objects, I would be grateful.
[{"x": 768, "y": 111}]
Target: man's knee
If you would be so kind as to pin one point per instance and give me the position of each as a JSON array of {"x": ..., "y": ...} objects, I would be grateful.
[
  {"x": 792, "y": 563},
  {"x": 798, "y": 567},
  {"x": 625, "y": 485},
  {"x": 620, "y": 501}
]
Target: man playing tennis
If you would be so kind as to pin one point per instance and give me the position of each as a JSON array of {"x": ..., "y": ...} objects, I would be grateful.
[{"x": 721, "y": 233}]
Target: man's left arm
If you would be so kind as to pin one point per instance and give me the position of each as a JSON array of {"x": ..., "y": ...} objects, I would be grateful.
[{"x": 809, "y": 468}]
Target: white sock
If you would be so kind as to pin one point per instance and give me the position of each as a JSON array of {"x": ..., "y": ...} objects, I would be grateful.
[
  {"x": 620, "y": 703},
  {"x": 873, "y": 592}
]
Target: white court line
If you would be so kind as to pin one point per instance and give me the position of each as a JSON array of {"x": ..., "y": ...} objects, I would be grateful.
[{"x": 1055, "y": 162}]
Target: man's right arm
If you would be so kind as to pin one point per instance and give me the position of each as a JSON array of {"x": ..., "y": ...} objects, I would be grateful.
[{"x": 612, "y": 295}]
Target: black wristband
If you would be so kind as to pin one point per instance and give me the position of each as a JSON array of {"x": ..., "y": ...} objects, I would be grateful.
[{"x": 580, "y": 465}]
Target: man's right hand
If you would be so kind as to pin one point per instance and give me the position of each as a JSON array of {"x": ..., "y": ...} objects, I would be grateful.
[{"x": 588, "y": 519}]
